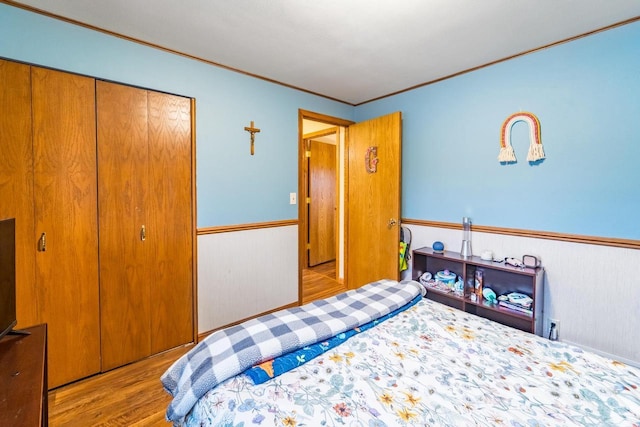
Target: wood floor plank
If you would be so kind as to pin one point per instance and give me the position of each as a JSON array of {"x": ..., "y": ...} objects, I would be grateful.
[
  {"x": 319, "y": 282},
  {"x": 133, "y": 395}
]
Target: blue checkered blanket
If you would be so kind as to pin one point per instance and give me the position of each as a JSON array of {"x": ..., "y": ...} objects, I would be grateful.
[{"x": 233, "y": 350}]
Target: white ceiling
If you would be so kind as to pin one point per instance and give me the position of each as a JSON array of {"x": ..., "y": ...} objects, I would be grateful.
[{"x": 349, "y": 50}]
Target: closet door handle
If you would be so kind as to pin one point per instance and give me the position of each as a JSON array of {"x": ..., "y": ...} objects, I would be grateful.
[
  {"x": 42, "y": 242},
  {"x": 143, "y": 233}
]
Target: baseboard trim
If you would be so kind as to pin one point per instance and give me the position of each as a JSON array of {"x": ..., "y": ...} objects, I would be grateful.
[
  {"x": 626, "y": 361},
  {"x": 203, "y": 335}
]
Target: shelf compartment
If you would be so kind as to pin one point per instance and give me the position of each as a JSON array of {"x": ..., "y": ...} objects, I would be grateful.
[
  {"x": 501, "y": 278},
  {"x": 524, "y": 323}
]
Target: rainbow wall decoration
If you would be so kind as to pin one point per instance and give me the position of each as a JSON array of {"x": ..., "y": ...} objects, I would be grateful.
[{"x": 536, "y": 152}]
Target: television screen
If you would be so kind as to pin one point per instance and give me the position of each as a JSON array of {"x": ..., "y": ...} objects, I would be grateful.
[{"x": 7, "y": 275}]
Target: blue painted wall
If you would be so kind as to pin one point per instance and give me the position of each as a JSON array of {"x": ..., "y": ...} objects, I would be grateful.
[
  {"x": 233, "y": 187},
  {"x": 586, "y": 94}
]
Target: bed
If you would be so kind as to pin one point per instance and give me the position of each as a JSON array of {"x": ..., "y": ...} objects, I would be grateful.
[{"x": 415, "y": 362}]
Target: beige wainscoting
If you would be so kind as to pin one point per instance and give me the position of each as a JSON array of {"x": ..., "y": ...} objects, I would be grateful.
[
  {"x": 591, "y": 288},
  {"x": 245, "y": 271}
]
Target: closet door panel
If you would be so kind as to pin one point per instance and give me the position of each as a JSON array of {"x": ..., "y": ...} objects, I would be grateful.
[
  {"x": 123, "y": 192},
  {"x": 16, "y": 180},
  {"x": 64, "y": 150},
  {"x": 170, "y": 202}
]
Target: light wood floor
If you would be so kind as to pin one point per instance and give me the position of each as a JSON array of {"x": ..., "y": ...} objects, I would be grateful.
[
  {"x": 127, "y": 396},
  {"x": 320, "y": 282},
  {"x": 133, "y": 395}
]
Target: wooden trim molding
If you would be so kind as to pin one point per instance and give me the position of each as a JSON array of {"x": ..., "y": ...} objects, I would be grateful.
[
  {"x": 321, "y": 133},
  {"x": 166, "y": 49},
  {"x": 236, "y": 70},
  {"x": 565, "y": 237},
  {"x": 488, "y": 64},
  {"x": 194, "y": 222},
  {"x": 243, "y": 227},
  {"x": 323, "y": 118}
]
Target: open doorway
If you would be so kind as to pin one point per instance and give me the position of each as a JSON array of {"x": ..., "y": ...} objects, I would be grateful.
[
  {"x": 321, "y": 207},
  {"x": 368, "y": 212},
  {"x": 369, "y": 163}
]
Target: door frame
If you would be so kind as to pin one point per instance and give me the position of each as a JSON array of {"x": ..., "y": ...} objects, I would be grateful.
[{"x": 302, "y": 185}]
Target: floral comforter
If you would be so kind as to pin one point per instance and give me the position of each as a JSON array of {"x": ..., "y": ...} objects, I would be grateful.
[{"x": 432, "y": 365}]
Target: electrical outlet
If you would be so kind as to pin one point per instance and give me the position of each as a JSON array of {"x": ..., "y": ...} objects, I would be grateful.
[{"x": 554, "y": 329}]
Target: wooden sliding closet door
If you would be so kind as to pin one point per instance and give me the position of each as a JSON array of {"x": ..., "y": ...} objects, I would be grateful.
[
  {"x": 16, "y": 180},
  {"x": 64, "y": 152},
  {"x": 104, "y": 231},
  {"x": 144, "y": 180},
  {"x": 171, "y": 218},
  {"x": 125, "y": 278}
]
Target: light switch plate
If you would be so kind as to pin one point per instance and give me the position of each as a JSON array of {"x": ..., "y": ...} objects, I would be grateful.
[{"x": 292, "y": 198}]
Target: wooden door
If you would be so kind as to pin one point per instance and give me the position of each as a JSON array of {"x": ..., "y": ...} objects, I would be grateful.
[
  {"x": 64, "y": 150},
  {"x": 169, "y": 218},
  {"x": 125, "y": 276},
  {"x": 16, "y": 180},
  {"x": 322, "y": 205},
  {"x": 146, "y": 222},
  {"x": 373, "y": 205}
]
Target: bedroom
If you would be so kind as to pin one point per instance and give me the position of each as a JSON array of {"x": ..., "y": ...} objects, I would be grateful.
[{"x": 585, "y": 93}]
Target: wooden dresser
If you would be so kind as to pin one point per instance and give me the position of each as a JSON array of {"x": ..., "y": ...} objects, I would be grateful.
[{"x": 23, "y": 379}]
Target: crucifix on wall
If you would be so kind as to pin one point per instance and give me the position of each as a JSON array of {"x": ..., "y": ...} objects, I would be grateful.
[{"x": 253, "y": 131}]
